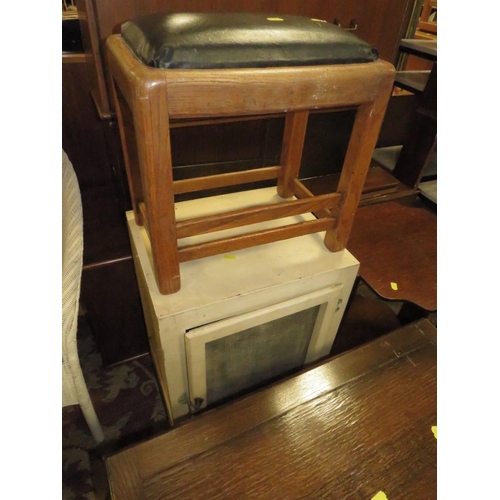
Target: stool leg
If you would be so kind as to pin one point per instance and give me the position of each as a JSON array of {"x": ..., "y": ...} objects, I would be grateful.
[
  {"x": 291, "y": 151},
  {"x": 153, "y": 141},
  {"x": 356, "y": 164}
]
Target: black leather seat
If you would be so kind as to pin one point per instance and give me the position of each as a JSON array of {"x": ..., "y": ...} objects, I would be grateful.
[{"x": 241, "y": 40}]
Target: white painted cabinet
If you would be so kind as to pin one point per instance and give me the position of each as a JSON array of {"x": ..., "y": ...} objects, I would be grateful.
[{"x": 240, "y": 320}]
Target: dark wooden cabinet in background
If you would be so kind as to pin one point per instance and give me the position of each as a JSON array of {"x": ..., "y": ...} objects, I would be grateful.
[
  {"x": 91, "y": 139},
  {"x": 109, "y": 290}
]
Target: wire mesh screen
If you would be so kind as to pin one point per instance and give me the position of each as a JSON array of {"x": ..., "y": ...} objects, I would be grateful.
[{"x": 245, "y": 359}]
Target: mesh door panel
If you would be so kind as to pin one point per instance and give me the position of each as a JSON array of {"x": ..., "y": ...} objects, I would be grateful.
[{"x": 249, "y": 357}]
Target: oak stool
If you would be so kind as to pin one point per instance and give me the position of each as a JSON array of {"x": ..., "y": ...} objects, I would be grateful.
[{"x": 198, "y": 66}]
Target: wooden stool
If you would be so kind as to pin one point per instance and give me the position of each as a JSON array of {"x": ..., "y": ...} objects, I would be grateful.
[{"x": 213, "y": 66}]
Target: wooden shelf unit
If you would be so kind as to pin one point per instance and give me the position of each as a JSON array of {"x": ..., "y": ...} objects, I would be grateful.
[{"x": 413, "y": 81}]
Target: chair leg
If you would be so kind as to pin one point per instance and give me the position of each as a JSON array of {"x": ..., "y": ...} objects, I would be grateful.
[
  {"x": 93, "y": 422},
  {"x": 357, "y": 161},
  {"x": 291, "y": 151},
  {"x": 80, "y": 394},
  {"x": 153, "y": 139}
]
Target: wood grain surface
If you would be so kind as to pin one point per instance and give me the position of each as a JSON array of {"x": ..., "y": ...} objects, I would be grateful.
[
  {"x": 291, "y": 151},
  {"x": 231, "y": 244},
  {"x": 222, "y": 180},
  {"x": 256, "y": 90},
  {"x": 396, "y": 246},
  {"x": 353, "y": 426},
  {"x": 357, "y": 162},
  {"x": 249, "y": 91},
  {"x": 254, "y": 215}
]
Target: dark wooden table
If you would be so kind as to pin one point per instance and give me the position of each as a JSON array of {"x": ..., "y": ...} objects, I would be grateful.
[
  {"x": 347, "y": 429},
  {"x": 396, "y": 246}
]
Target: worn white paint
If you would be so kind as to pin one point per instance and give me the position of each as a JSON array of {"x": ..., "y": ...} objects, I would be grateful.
[
  {"x": 321, "y": 339},
  {"x": 217, "y": 288}
]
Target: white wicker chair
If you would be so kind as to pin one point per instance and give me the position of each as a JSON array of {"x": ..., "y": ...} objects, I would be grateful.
[{"x": 74, "y": 389}]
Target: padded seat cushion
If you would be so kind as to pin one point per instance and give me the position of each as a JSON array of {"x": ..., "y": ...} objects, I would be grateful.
[{"x": 242, "y": 40}]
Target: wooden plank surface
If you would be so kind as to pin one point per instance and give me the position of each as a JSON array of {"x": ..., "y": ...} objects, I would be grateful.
[{"x": 353, "y": 426}]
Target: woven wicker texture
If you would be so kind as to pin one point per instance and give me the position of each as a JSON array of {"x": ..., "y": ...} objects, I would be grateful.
[{"x": 74, "y": 389}]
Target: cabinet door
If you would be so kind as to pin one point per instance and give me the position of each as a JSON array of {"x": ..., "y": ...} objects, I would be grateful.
[{"x": 239, "y": 353}]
